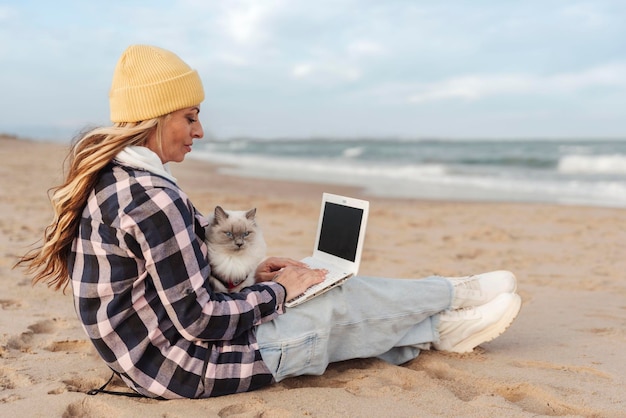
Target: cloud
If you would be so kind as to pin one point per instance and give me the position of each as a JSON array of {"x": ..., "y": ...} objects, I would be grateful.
[
  {"x": 476, "y": 87},
  {"x": 365, "y": 48},
  {"x": 605, "y": 75},
  {"x": 325, "y": 72},
  {"x": 342, "y": 63},
  {"x": 302, "y": 70},
  {"x": 233, "y": 60},
  {"x": 247, "y": 21},
  {"x": 6, "y": 12},
  {"x": 586, "y": 14},
  {"x": 472, "y": 87}
]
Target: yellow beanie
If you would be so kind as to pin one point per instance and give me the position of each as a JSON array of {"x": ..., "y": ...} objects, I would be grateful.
[{"x": 150, "y": 82}]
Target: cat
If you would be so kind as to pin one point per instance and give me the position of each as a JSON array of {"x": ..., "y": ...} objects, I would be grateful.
[{"x": 236, "y": 247}]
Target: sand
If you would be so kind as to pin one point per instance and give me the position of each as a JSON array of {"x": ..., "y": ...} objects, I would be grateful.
[{"x": 565, "y": 355}]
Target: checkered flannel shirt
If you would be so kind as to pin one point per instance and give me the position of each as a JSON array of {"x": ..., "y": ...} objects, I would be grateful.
[{"x": 139, "y": 273}]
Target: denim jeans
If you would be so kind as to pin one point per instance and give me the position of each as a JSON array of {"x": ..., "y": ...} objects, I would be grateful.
[{"x": 391, "y": 319}]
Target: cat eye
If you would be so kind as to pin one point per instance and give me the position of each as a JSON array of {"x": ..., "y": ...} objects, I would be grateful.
[
  {"x": 229, "y": 234},
  {"x": 245, "y": 234}
]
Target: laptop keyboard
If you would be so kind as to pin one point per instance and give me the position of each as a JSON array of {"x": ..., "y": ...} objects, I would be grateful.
[{"x": 332, "y": 274}]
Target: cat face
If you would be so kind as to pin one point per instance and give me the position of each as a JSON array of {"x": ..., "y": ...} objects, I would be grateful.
[{"x": 233, "y": 231}]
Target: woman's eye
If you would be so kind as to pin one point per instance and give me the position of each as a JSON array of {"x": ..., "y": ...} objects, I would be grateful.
[{"x": 192, "y": 120}]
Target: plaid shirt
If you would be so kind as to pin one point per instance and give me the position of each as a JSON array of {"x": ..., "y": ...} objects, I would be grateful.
[{"x": 139, "y": 277}]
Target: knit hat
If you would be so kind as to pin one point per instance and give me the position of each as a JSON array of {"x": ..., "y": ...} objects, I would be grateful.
[{"x": 149, "y": 82}]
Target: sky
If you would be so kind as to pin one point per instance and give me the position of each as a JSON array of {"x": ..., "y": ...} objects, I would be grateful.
[{"x": 330, "y": 68}]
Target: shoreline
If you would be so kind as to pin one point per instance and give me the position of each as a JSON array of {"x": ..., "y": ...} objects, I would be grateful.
[
  {"x": 558, "y": 172},
  {"x": 386, "y": 190},
  {"x": 564, "y": 355}
]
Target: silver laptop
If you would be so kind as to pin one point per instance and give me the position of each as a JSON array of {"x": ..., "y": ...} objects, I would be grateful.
[{"x": 338, "y": 243}]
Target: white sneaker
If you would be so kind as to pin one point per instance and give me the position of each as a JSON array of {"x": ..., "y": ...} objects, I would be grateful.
[
  {"x": 479, "y": 289},
  {"x": 461, "y": 330}
]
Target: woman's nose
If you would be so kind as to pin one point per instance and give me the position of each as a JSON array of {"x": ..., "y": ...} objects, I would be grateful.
[{"x": 198, "y": 132}]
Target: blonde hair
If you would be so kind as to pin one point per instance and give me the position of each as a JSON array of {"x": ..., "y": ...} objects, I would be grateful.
[{"x": 87, "y": 157}]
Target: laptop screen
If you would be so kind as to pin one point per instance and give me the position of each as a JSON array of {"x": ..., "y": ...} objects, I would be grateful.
[{"x": 339, "y": 233}]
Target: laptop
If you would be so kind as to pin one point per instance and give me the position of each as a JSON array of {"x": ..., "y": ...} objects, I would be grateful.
[{"x": 338, "y": 243}]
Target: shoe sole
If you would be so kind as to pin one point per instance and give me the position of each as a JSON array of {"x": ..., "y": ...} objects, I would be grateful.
[{"x": 488, "y": 334}]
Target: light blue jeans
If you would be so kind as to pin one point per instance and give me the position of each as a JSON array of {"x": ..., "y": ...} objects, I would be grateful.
[{"x": 391, "y": 319}]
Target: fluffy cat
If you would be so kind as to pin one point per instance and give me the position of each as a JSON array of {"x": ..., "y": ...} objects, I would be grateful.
[{"x": 236, "y": 247}]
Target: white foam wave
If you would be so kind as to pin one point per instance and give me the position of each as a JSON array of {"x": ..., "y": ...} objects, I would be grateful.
[
  {"x": 593, "y": 164},
  {"x": 323, "y": 169},
  {"x": 426, "y": 181},
  {"x": 353, "y": 152},
  {"x": 237, "y": 145}
]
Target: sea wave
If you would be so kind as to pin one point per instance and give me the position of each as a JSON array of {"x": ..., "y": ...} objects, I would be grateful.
[
  {"x": 593, "y": 164},
  {"x": 572, "y": 182},
  {"x": 324, "y": 168},
  {"x": 352, "y": 152}
]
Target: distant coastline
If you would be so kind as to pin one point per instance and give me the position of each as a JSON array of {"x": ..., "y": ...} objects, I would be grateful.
[{"x": 60, "y": 135}]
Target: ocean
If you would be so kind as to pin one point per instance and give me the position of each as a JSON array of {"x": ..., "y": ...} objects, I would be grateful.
[{"x": 579, "y": 172}]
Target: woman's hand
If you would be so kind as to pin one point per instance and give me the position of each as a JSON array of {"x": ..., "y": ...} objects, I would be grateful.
[
  {"x": 295, "y": 276},
  {"x": 268, "y": 268},
  {"x": 296, "y": 279}
]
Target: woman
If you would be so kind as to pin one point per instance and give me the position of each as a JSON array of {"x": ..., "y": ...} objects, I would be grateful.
[{"x": 131, "y": 245}]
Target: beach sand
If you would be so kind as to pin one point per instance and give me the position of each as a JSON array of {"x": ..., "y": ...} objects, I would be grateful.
[{"x": 565, "y": 355}]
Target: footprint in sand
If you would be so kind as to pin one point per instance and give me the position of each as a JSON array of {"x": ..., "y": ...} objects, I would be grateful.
[
  {"x": 10, "y": 398},
  {"x": 29, "y": 340},
  {"x": 253, "y": 408},
  {"x": 11, "y": 379},
  {"x": 530, "y": 398},
  {"x": 47, "y": 326},
  {"x": 90, "y": 407},
  {"x": 22, "y": 342},
  {"x": 562, "y": 367},
  {"x": 11, "y": 304},
  {"x": 84, "y": 383},
  {"x": 69, "y": 346},
  {"x": 610, "y": 332},
  {"x": 538, "y": 400}
]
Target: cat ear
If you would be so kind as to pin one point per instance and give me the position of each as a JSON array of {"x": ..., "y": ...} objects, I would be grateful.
[
  {"x": 251, "y": 214},
  {"x": 220, "y": 214}
]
